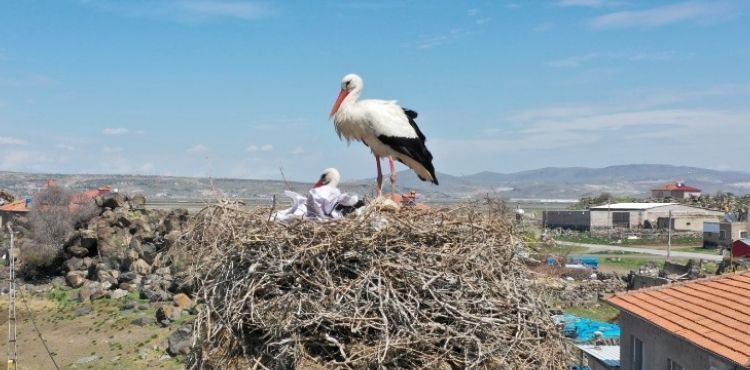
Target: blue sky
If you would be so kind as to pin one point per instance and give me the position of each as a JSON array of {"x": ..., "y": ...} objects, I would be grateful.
[{"x": 240, "y": 88}]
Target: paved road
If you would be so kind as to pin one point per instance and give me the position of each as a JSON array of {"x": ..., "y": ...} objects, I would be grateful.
[{"x": 646, "y": 250}]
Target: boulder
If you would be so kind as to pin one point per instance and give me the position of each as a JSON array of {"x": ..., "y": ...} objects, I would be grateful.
[
  {"x": 76, "y": 278},
  {"x": 127, "y": 277},
  {"x": 180, "y": 341},
  {"x": 155, "y": 295},
  {"x": 110, "y": 276},
  {"x": 115, "y": 200},
  {"x": 118, "y": 293},
  {"x": 167, "y": 312},
  {"x": 140, "y": 267},
  {"x": 74, "y": 263},
  {"x": 78, "y": 251},
  {"x": 148, "y": 252},
  {"x": 181, "y": 300},
  {"x": 138, "y": 201},
  {"x": 98, "y": 294},
  {"x": 82, "y": 311},
  {"x": 129, "y": 305},
  {"x": 128, "y": 286}
]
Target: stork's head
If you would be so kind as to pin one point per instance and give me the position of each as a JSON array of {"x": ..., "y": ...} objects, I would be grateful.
[
  {"x": 329, "y": 177},
  {"x": 349, "y": 84}
]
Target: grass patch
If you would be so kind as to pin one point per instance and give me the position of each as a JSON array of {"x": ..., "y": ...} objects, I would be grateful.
[
  {"x": 588, "y": 238},
  {"x": 629, "y": 263},
  {"x": 600, "y": 312}
]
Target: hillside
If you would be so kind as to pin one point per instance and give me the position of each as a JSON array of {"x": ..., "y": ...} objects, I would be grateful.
[{"x": 549, "y": 183}]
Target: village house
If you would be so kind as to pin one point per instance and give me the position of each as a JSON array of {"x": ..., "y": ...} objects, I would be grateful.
[
  {"x": 723, "y": 234},
  {"x": 8, "y": 212},
  {"x": 675, "y": 190},
  {"x": 697, "y": 325},
  {"x": 652, "y": 216}
]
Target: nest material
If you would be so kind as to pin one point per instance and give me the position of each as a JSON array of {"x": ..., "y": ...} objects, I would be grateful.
[{"x": 440, "y": 290}]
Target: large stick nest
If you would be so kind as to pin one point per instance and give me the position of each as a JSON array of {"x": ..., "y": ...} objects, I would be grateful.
[{"x": 436, "y": 290}]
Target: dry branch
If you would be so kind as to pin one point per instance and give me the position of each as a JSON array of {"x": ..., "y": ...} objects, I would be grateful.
[{"x": 435, "y": 290}]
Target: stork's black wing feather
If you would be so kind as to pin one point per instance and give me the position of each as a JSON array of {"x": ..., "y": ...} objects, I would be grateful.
[
  {"x": 412, "y": 115},
  {"x": 413, "y": 148}
]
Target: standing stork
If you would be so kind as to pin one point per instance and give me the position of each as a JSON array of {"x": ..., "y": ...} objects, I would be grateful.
[{"x": 385, "y": 127}]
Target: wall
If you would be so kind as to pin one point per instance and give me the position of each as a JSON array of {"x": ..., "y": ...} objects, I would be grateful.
[
  {"x": 685, "y": 218},
  {"x": 574, "y": 220},
  {"x": 732, "y": 231},
  {"x": 595, "y": 364},
  {"x": 660, "y": 345}
]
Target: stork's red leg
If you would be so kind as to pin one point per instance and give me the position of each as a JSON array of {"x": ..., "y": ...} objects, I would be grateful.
[
  {"x": 380, "y": 177},
  {"x": 393, "y": 176}
]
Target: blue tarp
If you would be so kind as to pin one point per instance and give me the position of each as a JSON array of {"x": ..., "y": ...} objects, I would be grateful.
[{"x": 582, "y": 329}]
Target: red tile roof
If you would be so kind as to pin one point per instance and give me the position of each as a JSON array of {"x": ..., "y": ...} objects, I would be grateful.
[
  {"x": 678, "y": 186},
  {"x": 712, "y": 313},
  {"x": 17, "y": 206}
]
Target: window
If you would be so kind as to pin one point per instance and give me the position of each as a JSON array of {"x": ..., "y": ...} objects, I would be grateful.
[
  {"x": 743, "y": 234},
  {"x": 621, "y": 219},
  {"x": 722, "y": 235},
  {"x": 638, "y": 363},
  {"x": 673, "y": 365}
]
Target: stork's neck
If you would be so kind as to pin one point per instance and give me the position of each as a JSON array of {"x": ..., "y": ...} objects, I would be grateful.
[{"x": 350, "y": 99}]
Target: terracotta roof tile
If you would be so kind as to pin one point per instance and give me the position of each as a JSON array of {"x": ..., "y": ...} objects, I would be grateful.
[
  {"x": 17, "y": 206},
  {"x": 712, "y": 313}
]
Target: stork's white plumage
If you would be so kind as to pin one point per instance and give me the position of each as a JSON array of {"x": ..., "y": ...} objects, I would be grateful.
[{"x": 387, "y": 128}]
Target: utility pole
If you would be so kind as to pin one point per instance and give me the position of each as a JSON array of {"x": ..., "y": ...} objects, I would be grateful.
[
  {"x": 669, "y": 235},
  {"x": 609, "y": 219},
  {"x": 12, "y": 349}
]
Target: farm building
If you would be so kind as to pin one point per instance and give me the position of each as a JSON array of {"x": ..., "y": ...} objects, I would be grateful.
[
  {"x": 675, "y": 190},
  {"x": 12, "y": 210},
  {"x": 722, "y": 234},
  {"x": 652, "y": 216},
  {"x": 570, "y": 220},
  {"x": 697, "y": 325}
]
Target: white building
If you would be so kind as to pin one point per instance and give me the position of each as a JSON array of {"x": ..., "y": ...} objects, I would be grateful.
[{"x": 652, "y": 215}]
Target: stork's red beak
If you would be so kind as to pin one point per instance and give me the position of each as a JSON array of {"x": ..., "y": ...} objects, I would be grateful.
[
  {"x": 337, "y": 104},
  {"x": 318, "y": 184}
]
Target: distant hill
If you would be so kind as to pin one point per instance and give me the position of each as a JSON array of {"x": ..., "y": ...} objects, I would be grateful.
[{"x": 543, "y": 183}]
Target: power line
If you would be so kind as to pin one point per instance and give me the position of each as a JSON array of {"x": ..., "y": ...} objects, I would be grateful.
[{"x": 12, "y": 344}]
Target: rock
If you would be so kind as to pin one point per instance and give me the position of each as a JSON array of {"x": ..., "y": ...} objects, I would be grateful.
[
  {"x": 181, "y": 300},
  {"x": 154, "y": 295},
  {"x": 142, "y": 307},
  {"x": 115, "y": 200},
  {"x": 148, "y": 252},
  {"x": 76, "y": 278},
  {"x": 98, "y": 294},
  {"x": 109, "y": 276},
  {"x": 140, "y": 267},
  {"x": 129, "y": 305},
  {"x": 180, "y": 341},
  {"x": 164, "y": 271},
  {"x": 106, "y": 285},
  {"x": 143, "y": 321},
  {"x": 138, "y": 201},
  {"x": 74, "y": 263},
  {"x": 130, "y": 287},
  {"x": 132, "y": 255},
  {"x": 78, "y": 251},
  {"x": 176, "y": 219},
  {"x": 88, "y": 262},
  {"x": 83, "y": 311},
  {"x": 118, "y": 293},
  {"x": 167, "y": 312},
  {"x": 127, "y": 277}
]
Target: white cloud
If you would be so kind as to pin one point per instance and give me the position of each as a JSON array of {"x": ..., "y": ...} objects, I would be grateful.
[
  {"x": 482, "y": 21},
  {"x": 699, "y": 11},
  {"x": 22, "y": 160},
  {"x": 7, "y": 140},
  {"x": 147, "y": 167},
  {"x": 115, "y": 131},
  {"x": 578, "y": 60},
  {"x": 199, "y": 148},
  {"x": 262, "y": 148},
  {"x": 298, "y": 150},
  {"x": 65, "y": 147},
  {"x": 472, "y": 12}
]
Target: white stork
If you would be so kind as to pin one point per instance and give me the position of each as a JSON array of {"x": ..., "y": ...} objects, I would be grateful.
[
  {"x": 384, "y": 126},
  {"x": 330, "y": 177}
]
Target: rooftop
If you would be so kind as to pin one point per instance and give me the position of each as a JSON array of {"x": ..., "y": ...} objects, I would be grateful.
[
  {"x": 631, "y": 206},
  {"x": 608, "y": 355},
  {"x": 678, "y": 186},
  {"x": 711, "y": 313},
  {"x": 17, "y": 206}
]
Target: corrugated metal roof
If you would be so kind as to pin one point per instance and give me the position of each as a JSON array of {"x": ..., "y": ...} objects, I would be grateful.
[
  {"x": 712, "y": 313},
  {"x": 608, "y": 355},
  {"x": 631, "y": 206}
]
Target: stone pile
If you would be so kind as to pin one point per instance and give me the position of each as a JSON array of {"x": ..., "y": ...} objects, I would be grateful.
[{"x": 124, "y": 250}]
